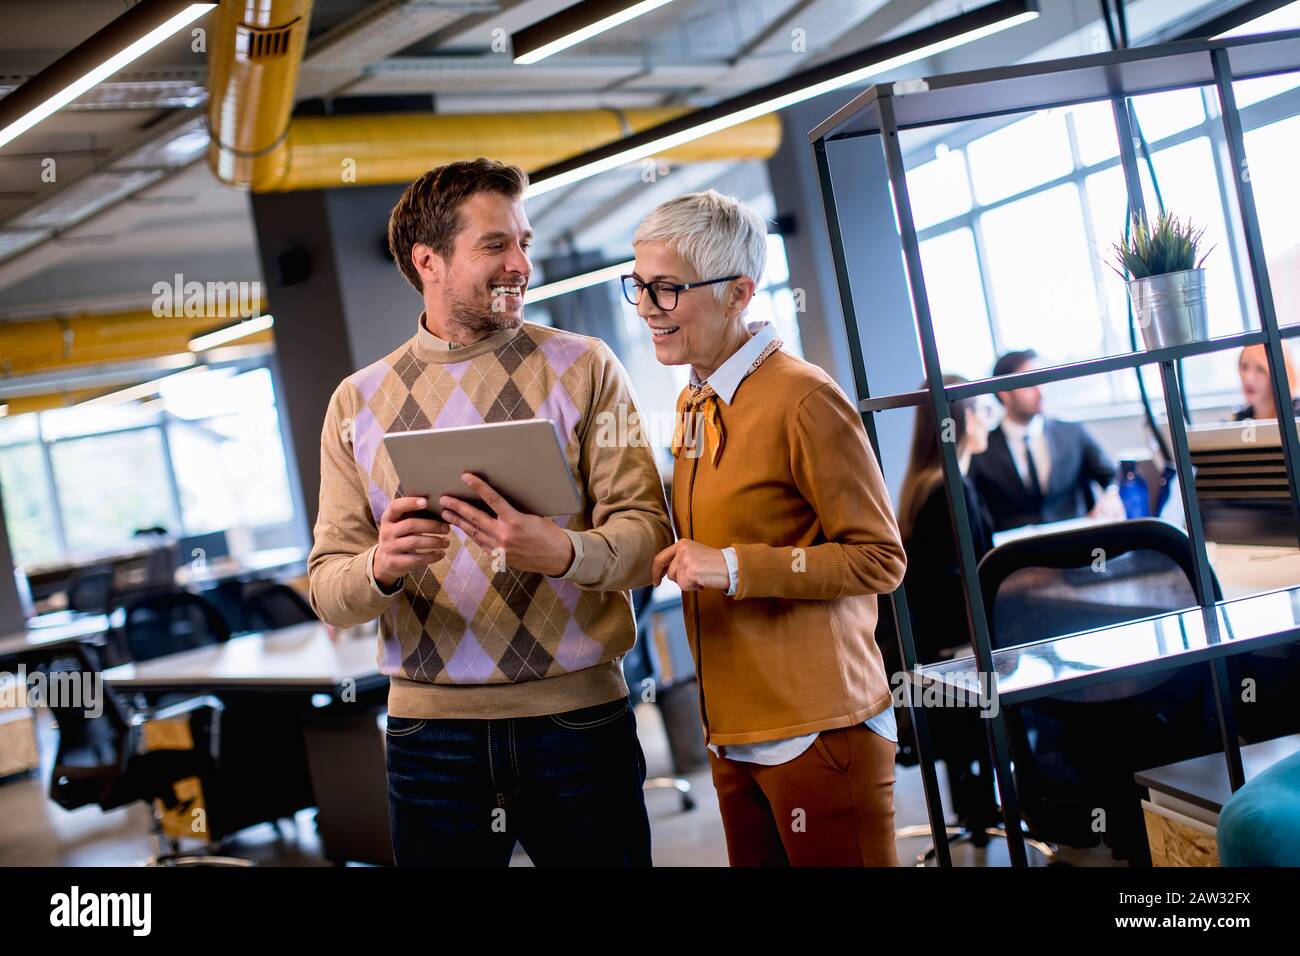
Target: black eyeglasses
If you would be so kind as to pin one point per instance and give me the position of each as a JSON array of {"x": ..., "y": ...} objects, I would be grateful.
[{"x": 663, "y": 294}]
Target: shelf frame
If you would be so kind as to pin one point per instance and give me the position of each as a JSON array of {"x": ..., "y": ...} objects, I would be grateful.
[{"x": 882, "y": 112}]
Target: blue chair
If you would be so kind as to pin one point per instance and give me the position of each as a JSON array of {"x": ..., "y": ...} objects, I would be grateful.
[{"x": 1260, "y": 825}]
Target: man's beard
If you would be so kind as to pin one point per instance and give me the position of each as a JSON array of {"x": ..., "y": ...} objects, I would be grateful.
[{"x": 478, "y": 320}]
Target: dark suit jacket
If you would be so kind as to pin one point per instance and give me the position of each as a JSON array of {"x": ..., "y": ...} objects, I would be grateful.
[{"x": 1077, "y": 462}]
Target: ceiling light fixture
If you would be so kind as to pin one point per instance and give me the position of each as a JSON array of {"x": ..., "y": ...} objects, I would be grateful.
[
  {"x": 836, "y": 74},
  {"x": 123, "y": 41},
  {"x": 574, "y": 24},
  {"x": 230, "y": 333},
  {"x": 143, "y": 390},
  {"x": 574, "y": 283}
]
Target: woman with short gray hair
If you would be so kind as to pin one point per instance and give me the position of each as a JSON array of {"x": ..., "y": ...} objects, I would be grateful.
[{"x": 785, "y": 539}]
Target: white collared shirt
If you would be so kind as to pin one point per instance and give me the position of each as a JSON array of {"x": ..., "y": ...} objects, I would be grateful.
[
  {"x": 736, "y": 369},
  {"x": 1016, "y": 434}
]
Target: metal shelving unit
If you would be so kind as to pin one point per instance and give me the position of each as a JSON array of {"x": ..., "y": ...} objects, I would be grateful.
[{"x": 1206, "y": 635}]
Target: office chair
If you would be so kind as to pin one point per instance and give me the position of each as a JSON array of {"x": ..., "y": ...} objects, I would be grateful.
[
  {"x": 160, "y": 624},
  {"x": 100, "y": 758},
  {"x": 90, "y": 590},
  {"x": 150, "y": 572},
  {"x": 638, "y": 666},
  {"x": 1078, "y": 751},
  {"x": 269, "y": 605}
]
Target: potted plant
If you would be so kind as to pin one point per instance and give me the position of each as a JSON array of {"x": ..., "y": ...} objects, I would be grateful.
[{"x": 1166, "y": 283}]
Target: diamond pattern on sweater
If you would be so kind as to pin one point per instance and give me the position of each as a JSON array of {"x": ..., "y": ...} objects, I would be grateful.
[{"x": 458, "y": 621}]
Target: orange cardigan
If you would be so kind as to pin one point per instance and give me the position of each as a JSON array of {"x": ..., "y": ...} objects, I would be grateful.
[{"x": 799, "y": 494}]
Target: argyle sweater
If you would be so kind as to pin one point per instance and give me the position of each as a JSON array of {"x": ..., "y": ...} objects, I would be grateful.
[{"x": 458, "y": 639}]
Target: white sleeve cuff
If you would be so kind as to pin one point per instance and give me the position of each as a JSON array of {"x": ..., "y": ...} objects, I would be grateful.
[
  {"x": 370, "y": 575},
  {"x": 577, "y": 554},
  {"x": 733, "y": 570}
]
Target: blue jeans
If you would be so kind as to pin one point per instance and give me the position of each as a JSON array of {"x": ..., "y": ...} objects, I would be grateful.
[{"x": 567, "y": 786}]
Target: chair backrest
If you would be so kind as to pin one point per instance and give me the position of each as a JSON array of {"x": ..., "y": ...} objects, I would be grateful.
[
  {"x": 160, "y": 624},
  {"x": 1053, "y": 584},
  {"x": 91, "y": 589},
  {"x": 1066, "y": 764},
  {"x": 269, "y": 605},
  {"x": 94, "y": 733}
]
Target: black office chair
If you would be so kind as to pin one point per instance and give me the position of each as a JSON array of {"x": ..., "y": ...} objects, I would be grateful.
[
  {"x": 1078, "y": 751},
  {"x": 90, "y": 590},
  {"x": 100, "y": 758},
  {"x": 269, "y": 605},
  {"x": 160, "y": 624}
]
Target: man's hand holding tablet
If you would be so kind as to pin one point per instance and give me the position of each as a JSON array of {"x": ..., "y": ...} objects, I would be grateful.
[
  {"x": 407, "y": 542},
  {"x": 528, "y": 542}
]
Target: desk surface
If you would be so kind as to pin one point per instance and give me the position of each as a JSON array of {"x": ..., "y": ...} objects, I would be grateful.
[
  {"x": 249, "y": 563},
  {"x": 302, "y": 658},
  {"x": 1203, "y": 781},
  {"x": 58, "y": 628},
  {"x": 1075, "y": 661}
]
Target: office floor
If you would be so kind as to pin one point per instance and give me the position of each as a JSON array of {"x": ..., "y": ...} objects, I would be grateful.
[{"x": 36, "y": 832}]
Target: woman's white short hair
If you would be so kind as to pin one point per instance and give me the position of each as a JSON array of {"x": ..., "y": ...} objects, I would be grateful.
[{"x": 717, "y": 235}]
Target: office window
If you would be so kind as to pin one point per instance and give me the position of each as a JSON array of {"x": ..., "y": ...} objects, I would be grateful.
[
  {"x": 1163, "y": 114},
  {"x": 110, "y": 485},
  {"x": 961, "y": 323},
  {"x": 206, "y": 455},
  {"x": 29, "y": 515},
  {"x": 1048, "y": 205},
  {"x": 80, "y": 420},
  {"x": 230, "y": 471},
  {"x": 1026, "y": 153},
  {"x": 939, "y": 189},
  {"x": 1094, "y": 132},
  {"x": 1042, "y": 283},
  {"x": 1271, "y": 151}
]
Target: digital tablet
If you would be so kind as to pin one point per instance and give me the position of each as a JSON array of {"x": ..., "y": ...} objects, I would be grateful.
[{"x": 523, "y": 460}]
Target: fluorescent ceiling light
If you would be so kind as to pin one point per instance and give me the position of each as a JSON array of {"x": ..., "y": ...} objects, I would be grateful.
[
  {"x": 574, "y": 283},
  {"x": 120, "y": 43},
  {"x": 1287, "y": 17},
  {"x": 143, "y": 390},
  {"x": 844, "y": 71},
  {"x": 573, "y": 25},
  {"x": 230, "y": 333}
]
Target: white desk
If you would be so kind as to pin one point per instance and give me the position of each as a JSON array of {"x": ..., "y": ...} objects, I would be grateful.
[
  {"x": 1253, "y": 568},
  {"x": 305, "y": 658},
  {"x": 65, "y": 628},
  {"x": 250, "y": 564}
]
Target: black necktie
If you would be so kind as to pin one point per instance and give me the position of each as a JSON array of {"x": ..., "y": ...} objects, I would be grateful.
[{"x": 1032, "y": 468}]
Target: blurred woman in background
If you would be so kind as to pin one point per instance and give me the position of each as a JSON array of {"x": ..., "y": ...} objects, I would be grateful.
[
  {"x": 936, "y": 604},
  {"x": 1257, "y": 384}
]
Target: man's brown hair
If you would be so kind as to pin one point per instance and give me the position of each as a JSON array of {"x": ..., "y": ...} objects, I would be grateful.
[{"x": 429, "y": 210}]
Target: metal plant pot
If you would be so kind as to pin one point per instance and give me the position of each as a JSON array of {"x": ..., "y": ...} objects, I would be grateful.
[{"x": 1170, "y": 308}]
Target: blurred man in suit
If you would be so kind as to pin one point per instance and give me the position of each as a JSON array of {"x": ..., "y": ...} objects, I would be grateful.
[{"x": 1039, "y": 469}]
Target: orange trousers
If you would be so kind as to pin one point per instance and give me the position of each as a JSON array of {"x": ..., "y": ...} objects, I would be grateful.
[{"x": 833, "y": 805}]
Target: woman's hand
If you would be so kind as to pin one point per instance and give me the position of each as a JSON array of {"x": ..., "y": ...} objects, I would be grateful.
[{"x": 693, "y": 566}]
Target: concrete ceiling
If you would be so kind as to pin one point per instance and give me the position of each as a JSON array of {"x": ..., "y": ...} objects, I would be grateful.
[{"x": 689, "y": 52}]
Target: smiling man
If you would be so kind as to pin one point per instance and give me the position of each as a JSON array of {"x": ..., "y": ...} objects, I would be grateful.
[{"x": 502, "y": 633}]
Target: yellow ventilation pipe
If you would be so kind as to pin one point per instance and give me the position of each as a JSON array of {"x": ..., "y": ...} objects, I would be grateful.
[
  {"x": 49, "y": 345},
  {"x": 324, "y": 152},
  {"x": 254, "y": 53},
  {"x": 252, "y": 70}
]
